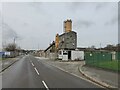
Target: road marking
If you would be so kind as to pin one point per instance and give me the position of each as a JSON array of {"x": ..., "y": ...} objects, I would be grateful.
[
  {"x": 45, "y": 85},
  {"x": 37, "y": 71},
  {"x": 32, "y": 64},
  {"x": 77, "y": 76}
]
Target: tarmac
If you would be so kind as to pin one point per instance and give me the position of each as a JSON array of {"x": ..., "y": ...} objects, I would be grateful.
[
  {"x": 107, "y": 79},
  {"x": 102, "y": 77}
]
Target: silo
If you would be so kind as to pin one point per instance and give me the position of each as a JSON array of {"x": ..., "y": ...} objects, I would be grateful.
[
  {"x": 67, "y": 26},
  {"x": 57, "y": 41}
]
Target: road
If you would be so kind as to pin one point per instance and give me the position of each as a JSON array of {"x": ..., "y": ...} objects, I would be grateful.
[{"x": 29, "y": 72}]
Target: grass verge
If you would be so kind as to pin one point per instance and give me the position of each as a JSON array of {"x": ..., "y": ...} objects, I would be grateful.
[{"x": 111, "y": 65}]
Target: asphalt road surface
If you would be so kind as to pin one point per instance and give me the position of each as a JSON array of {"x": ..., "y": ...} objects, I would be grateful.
[{"x": 29, "y": 72}]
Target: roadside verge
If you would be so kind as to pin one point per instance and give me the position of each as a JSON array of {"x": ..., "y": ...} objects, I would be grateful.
[{"x": 6, "y": 64}]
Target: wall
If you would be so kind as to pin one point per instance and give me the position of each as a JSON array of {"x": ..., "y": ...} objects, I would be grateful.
[
  {"x": 52, "y": 56},
  {"x": 77, "y": 55},
  {"x": 68, "y": 40}
]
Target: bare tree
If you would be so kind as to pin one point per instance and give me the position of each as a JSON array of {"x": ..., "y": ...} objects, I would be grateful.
[
  {"x": 92, "y": 47},
  {"x": 11, "y": 47}
]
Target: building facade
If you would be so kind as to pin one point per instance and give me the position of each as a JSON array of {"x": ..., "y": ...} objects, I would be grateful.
[{"x": 68, "y": 40}]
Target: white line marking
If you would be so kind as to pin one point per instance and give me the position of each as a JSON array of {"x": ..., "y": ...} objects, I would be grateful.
[
  {"x": 45, "y": 85},
  {"x": 76, "y": 75},
  {"x": 36, "y": 71},
  {"x": 32, "y": 64}
]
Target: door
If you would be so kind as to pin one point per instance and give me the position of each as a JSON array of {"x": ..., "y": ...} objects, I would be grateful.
[{"x": 69, "y": 54}]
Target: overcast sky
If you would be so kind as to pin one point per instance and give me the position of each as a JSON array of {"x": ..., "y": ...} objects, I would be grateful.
[{"x": 35, "y": 24}]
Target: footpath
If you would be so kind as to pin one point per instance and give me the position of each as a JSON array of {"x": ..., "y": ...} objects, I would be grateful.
[
  {"x": 4, "y": 64},
  {"x": 108, "y": 79},
  {"x": 102, "y": 77}
]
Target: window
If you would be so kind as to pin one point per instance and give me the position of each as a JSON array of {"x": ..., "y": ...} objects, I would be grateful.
[
  {"x": 73, "y": 44},
  {"x": 64, "y": 52},
  {"x": 60, "y": 52},
  {"x": 63, "y": 39}
]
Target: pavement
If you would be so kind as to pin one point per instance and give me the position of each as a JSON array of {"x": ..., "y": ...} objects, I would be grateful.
[
  {"x": 31, "y": 72},
  {"x": 4, "y": 64},
  {"x": 102, "y": 77},
  {"x": 107, "y": 78},
  {"x": 8, "y": 62}
]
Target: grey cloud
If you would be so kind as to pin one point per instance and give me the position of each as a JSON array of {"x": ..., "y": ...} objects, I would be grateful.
[
  {"x": 25, "y": 24},
  {"x": 35, "y": 4},
  {"x": 83, "y": 24},
  {"x": 8, "y": 32},
  {"x": 44, "y": 20},
  {"x": 39, "y": 7},
  {"x": 112, "y": 21},
  {"x": 100, "y": 5},
  {"x": 75, "y": 6}
]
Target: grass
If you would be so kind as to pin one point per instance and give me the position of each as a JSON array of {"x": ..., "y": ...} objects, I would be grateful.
[
  {"x": 111, "y": 65},
  {"x": 5, "y": 58}
]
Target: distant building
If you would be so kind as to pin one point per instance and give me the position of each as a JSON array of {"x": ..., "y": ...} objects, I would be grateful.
[
  {"x": 50, "y": 51},
  {"x": 67, "y": 40},
  {"x": 51, "y": 48},
  {"x": 64, "y": 43}
]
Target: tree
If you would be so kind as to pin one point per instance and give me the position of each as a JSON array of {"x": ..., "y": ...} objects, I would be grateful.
[
  {"x": 110, "y": 47},
  {"x": 11, "y": 47},
  {"x": 92, "y": 47}
]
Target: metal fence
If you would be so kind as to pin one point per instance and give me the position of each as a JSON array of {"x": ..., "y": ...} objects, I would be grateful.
[
  {"x": 117, "y": 55},
  {"x": 102, "y": 59},
  {"x": 97, "y": 57}
]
